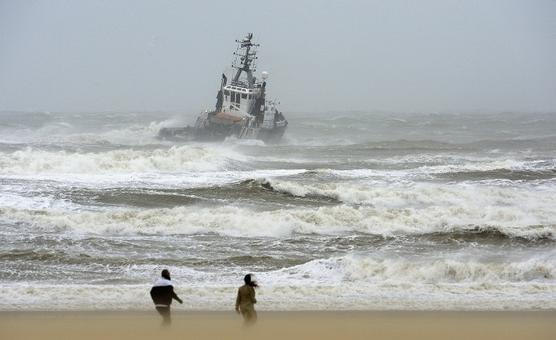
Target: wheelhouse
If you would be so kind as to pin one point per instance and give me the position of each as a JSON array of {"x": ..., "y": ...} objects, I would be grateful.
[{"x": 240, "y": 99}]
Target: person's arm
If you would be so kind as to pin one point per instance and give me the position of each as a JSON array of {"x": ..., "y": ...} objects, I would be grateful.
[
  {"x": 238, "y": 300},
  {"x": 252, "y": 295},
  {"x": 175, "y": 296}
]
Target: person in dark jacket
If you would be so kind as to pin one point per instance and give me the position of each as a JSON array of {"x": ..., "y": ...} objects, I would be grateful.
[
  {"x": 162, "y": 294},
  {"x": 245, "y": 301}
]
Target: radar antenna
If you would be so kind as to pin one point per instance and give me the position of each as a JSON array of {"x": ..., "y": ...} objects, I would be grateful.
[{"x": 246, "y": 55}]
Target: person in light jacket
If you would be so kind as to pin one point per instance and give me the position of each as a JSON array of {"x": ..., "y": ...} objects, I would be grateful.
[
  {"x": 245, "y": 301},
  {"x": 162, "y": 294}
]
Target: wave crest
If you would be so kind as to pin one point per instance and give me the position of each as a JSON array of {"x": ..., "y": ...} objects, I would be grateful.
[
  {"x": 244, "y": 222},
  {"x": 366, "y": 270},
  {"x": 173, "y": 159}
]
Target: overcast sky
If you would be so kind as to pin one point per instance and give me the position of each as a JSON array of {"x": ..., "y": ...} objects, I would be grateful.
[{"x": 404, "y": 56}]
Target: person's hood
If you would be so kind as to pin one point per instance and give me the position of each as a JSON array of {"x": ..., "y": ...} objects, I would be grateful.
[{"x": 160, "y": 282}]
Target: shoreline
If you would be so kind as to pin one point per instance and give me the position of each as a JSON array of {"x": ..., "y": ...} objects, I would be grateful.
[
  {"x": 139, "y": 324},
  {"x": 297, "y": 311}
]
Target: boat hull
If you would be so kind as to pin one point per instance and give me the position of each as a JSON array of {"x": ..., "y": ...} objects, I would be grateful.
[{"x": 212, "y": 131}]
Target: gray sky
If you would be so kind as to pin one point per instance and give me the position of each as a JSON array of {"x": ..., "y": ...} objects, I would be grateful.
[{"x": 132, "y": 55}]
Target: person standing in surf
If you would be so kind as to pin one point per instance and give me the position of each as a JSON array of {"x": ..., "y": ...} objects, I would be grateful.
[
  {"x": 245, "y": 301},
  {"x": 162, "y": 294}
]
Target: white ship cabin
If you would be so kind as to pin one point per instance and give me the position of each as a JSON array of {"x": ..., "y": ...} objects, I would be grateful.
[{"x": 240, "y": 99}]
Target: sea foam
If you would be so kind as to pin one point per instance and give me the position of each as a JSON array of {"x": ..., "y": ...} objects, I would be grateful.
[
  {"x": 346, "y": 282},
  {"x": 173, "y": 159},
  {"x": 394, "y": 214}
]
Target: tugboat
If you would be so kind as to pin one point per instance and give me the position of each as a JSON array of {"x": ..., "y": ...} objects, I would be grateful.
[{"x": 242, "y": 110}]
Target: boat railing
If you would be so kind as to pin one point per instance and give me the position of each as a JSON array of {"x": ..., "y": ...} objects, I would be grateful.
[{"x": 241, "y": 83}]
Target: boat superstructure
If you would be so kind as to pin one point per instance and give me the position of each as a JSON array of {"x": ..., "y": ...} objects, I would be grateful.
[{"x": 242, "y": 110}]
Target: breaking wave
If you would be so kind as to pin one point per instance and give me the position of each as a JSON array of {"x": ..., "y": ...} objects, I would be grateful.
[
  {"x": 440, "y": 284},
  {"x": 420, "y": 195},
  {"x": 173, "y": 159},
  {"x": 364, "y": 269},
  {"x": 235, "y": 221}
]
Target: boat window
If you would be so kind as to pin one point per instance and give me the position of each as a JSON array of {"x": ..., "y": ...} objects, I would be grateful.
[
  {"x": 235, "y": 97},
  {"x": 244, "y": 95}
]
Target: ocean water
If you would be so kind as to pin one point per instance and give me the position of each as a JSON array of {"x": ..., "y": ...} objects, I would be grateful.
[{"x": 354, "y": 210}]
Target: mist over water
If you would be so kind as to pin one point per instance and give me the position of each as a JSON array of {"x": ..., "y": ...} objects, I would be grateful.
[{"x": 352, "y": 210}]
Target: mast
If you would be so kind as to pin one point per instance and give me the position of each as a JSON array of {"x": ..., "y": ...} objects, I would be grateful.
[{"x": 247, "y": 56}]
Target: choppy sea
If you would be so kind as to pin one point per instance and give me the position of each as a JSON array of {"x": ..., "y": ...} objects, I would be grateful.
[{"x": 355, "y": 210}]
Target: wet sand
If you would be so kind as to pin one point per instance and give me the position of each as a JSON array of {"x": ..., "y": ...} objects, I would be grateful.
[{"x": 279, "y": 325}]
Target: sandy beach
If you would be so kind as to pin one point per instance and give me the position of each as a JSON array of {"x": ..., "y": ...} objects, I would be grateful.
[{"x": 279, "y": 325}]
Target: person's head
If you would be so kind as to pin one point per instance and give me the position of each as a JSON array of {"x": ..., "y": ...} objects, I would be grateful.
[
  {"x": 165, "y": 274},
  {"x": 248, "y": 279}
]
